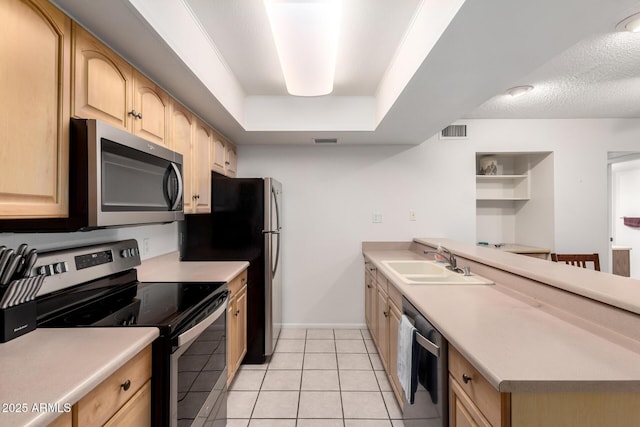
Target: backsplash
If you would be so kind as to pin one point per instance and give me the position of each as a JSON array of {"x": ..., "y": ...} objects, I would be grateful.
[{"x": 153, "y": 240}]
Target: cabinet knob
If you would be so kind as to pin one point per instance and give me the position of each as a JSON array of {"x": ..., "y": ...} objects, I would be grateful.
[
  {"x": 126, "y": 385},
  {"x": 386, "y": 313},
  {"x": 237, "y": 312},
  {"x": 227, "y": 163},
  {"x": 369, "y": 286},
  {"x": 139, "y": 115},
  {"x": 133, "y": 113},
  {"x": 466, "y": 378}
]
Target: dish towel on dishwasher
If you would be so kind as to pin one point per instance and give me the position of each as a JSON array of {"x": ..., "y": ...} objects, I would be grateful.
[{"x": 407, "y": 358}]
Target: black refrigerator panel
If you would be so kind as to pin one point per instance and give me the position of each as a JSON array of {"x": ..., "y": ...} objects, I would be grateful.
[{"x": 233, "y": 232}]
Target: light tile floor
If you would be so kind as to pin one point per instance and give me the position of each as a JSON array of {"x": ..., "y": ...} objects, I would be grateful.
[{"x": 315, "y": 378}]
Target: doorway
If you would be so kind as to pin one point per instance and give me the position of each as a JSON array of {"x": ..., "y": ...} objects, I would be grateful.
[{"x": 624, "y": 202}]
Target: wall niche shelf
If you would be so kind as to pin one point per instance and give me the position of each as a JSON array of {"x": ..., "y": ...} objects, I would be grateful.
[{"x": 515, "y": 205}]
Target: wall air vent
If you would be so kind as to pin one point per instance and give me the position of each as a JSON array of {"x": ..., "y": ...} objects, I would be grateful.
[
  {"x": 454, "y": 132},
  {"x": 325, "y": 140}
]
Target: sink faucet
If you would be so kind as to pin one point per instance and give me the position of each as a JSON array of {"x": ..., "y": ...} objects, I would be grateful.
[{"x": 451, "y": 259}]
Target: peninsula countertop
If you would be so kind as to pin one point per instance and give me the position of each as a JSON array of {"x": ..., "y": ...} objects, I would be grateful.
[
  {"x": 60, "y": 366},
  {"x": 517, "y": 346},
  {"x": 169, "y": 268}
]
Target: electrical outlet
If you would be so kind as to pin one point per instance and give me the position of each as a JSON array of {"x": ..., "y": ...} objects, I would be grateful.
[
  {"x": 145, "y": 246},
  {"x": 376, "y": 218},
  {"x": 412, "y": 215}
]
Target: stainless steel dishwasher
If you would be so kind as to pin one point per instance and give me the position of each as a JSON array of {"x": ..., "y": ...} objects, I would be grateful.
[{"x": 430, "y": 406}]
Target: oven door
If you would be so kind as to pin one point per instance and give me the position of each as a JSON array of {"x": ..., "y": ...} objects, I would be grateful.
[{"x": 199, "y": 371}]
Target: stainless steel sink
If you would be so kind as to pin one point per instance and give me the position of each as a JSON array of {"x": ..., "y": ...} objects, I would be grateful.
[{"x": 425, "y": 272}]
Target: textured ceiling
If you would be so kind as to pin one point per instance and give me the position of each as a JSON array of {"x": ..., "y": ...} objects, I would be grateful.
[
  {"x": 370, "y": 33},
  {"x": 599, "y": 77}
]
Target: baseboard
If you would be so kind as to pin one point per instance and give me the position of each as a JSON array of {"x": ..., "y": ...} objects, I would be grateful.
[{"x": 324, "y": 326}]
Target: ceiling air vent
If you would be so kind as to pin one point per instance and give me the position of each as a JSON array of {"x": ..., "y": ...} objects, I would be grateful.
[
  {"x": 454, "y": 132},
  {"x": 325, "y": 140}
]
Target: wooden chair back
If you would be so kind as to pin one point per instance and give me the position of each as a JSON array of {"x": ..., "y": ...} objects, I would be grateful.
[{"x": 579, "y": 260}]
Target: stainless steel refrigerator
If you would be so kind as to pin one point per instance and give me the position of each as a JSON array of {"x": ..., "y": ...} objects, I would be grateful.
[{"x": 245, "y": 224}]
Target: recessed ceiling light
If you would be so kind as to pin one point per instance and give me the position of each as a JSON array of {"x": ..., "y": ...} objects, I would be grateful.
[
  {"x": 306, "y": 37},
  {"x": 519, "y": 90},
  {"x": 631, "y": 24}
]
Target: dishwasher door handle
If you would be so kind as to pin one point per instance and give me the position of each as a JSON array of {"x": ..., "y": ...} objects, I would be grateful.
[{"x": 427, "y": 345}]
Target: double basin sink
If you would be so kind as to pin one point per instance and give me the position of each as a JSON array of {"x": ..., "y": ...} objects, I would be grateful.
[{"x": 425, "y": 272}]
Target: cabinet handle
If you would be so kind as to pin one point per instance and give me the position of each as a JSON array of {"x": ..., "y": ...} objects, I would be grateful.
[
  {"x": 466, "y": 378},
  {"x": 373, "y": 269},
  {"x": 126, "y": 385}
]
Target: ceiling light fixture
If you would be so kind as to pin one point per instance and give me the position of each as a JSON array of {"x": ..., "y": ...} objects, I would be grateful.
[
  {"x": 306, "y": 37},
  {"x": 631, "y": 24},
  {"x": 519, "y": 90}
]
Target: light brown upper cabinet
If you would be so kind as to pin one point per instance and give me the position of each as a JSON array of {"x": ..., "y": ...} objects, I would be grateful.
[
  {"x": 151, "y": 106},
  {"x": 181, "y": 139},
  {"x": 224, "y": 159},
  {"x": 35, "y": 68},
  {"x": 201, "y": 177},
  {"x": 107, "y": 88}
]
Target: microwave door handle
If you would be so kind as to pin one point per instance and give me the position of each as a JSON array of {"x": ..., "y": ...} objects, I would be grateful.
[{"x": 180, "y": 187}]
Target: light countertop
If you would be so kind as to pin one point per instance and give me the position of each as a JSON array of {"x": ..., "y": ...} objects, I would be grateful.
[
  {"x": 169, "y": 268},
  {"x": 515, "y": 345},
  {"x": 60, "y": 366},
  {"x": 619, "y": 291}
]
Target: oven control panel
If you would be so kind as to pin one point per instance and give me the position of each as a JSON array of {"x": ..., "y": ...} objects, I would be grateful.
[{"x": 69, "y": 267}]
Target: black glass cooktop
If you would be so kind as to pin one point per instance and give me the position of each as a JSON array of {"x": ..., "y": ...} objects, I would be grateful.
[{"x": 120, "y": 301}]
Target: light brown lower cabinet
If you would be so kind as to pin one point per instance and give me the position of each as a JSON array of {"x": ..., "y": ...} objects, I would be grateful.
[
  {"x": 64, "y": 420},
  {"x": 136, "y": 412},
  {"x": 122, "y": 400},
  {"x": 383, "y": 304},
  {"x": 236, "y": 324}
]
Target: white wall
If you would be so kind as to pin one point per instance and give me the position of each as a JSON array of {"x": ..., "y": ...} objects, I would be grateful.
[{"x": 330, "y": 194}]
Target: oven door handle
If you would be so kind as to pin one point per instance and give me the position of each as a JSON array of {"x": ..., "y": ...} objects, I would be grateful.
[{"x": 196, "y": 330}]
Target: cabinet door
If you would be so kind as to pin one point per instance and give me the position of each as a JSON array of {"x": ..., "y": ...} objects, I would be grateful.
[
  {"x": 103, "y": 82},
  {"x": 382, "y": 327},
  {"x": 152, "y": 107},
  {"x": 368, "y": 300},
  {"x": 181, "y": 141},
  {"x": 231, "y": 162},
  {"x": 232, "y": 344},
  {"x": 241, "y": 325},
  {"x": 202, "y": 177},
  {"x": 34, "y": 126},
  {"x": 219, "y": 156},
  {"x": 394, "y": 321}
]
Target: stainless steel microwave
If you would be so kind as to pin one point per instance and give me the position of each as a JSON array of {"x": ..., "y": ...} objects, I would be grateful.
[
  {"x": 129, "y": 180},
  {"x": 115, "y": 179}
]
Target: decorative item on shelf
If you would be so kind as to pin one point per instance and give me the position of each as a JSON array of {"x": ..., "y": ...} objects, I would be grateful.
[
  {"x": 488, "y": 165},
  {"x": 630, "y": 221}
]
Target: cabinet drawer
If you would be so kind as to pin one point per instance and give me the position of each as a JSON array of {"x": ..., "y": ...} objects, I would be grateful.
[
  {"x": 63, "y": 420},
  {"x": 382, "y": 283},
  {"x": 493, "y": 404},
  {"x": 394, "y": 295},
  {"x": 236, "y": 284},
  {"x": 136, "y": 412},
  {"x": 108, "y": 397}
]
